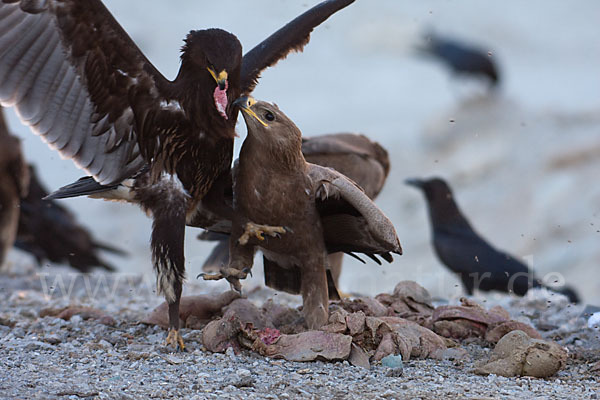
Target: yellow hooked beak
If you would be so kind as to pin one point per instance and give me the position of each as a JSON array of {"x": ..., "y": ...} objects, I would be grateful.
[
  {"x": 221, "y": 78},
  {"x": 246, "y": 103}
]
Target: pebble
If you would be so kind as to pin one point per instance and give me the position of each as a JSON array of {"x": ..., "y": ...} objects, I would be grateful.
[
  {"x": 392, "y": 361},
  {"x": 230, "y": 353}
]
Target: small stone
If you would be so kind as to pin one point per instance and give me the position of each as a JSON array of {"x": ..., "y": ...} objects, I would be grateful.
[
  {"x": 395, "y": 372},
  {"x": 244, "y": 381},
  {"x": 33, "y": 346},
  {"x": 392, "y": 361},
  {"x": 173, "y": 359},
  {"x": 243, "y": 372},
  {"x": 76, "y": 320},
  {"x": 230, "y": 352},
  {"x": 52, "y": 339},
  {"x": 304, "y": 371}
]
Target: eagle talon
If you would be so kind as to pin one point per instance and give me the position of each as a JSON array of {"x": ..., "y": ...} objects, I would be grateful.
[
  {"x": 258, "y": 231},
  {"x": 174, "y": 339},
  {"x": 210, "y": 277}
]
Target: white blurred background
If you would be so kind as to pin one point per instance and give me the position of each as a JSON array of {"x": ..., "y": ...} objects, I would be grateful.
[{"x": 524, "y": 163}]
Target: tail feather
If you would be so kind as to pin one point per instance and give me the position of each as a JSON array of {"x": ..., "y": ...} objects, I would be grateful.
[
  {"x": 82, "y": 187},
  {"x": 110, "y": 249}
]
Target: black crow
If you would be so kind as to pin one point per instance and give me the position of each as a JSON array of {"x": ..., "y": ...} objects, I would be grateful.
[
  {"x": 462, "y": 58},
  {"x": 458, "y": 246}
]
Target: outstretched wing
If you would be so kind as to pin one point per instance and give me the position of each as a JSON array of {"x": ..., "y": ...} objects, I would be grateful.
[
  {"x": 292, "y": 37},
  {"x": 74, "y": 76},
  {"x": 351, "y": 221},
  {"x": 355, "y": 156}
]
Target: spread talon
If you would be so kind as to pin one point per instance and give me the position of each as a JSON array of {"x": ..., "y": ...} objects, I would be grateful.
[{"x": 258, "y": 231}]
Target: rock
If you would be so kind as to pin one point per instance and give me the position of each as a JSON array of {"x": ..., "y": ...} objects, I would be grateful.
[
  {"x": 358, "y": 357},
  {"x": 37, "y": 345},
  {"x": 454, "y": 354},
  {"x": 516, "y": 354},
  {"x": 52, "y": 339},
  {"x": 286, "y": 319},
  {"x": 496, "y": 332},
  {"x": 75, "y": 314},
  {"x": 594, "y": 321},
  {"x": 306, "y": 346},
  {"x": 221, "y": 334},
  {"x": 392, "y": 361},
  {"x": 247, "y": 313},
  {"x": 422, "y": 342},
  {"x": 356, "y": 322},
  {"x": 200, "y": 308},
  {"x": 410, "y": 301},
  {"x": 369, "y": 306}
]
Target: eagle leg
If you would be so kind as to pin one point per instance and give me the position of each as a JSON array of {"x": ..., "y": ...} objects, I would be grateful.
[
  {"x": 258, "y": 231},
  {"x": 314, "y": 290},
  {"x": 167, "y": 243}
]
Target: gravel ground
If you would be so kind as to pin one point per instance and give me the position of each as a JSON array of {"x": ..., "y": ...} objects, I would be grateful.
[{"x": 49, "y": 358}]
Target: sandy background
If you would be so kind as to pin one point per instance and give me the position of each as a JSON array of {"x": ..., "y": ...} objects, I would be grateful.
[{"x": 524, "y": 163}]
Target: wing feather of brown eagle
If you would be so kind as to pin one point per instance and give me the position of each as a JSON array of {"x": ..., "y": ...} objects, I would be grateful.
[
  {"x": 74, "y": 76},
  {"x": 292, "y": 37},
  {"x": 364, "y": 161},
  {"x": 351, "y": 220}
]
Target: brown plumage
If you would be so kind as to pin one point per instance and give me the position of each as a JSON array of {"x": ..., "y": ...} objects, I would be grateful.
[
  {"x": 322, "y": 210},
  {"x": 74, "y": 75},
  {"x": 355, "y": 156},
  {"x": 365, "y": 162},
  {"x": 14, "y": 179},
  {"x": 49, "y": 231}
]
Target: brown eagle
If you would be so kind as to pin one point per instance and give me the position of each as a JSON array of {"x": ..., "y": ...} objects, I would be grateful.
[
  {"x": 322, "y": 210},
  {"x": 80, "y": 82},
  {"x": 354, "y": 155}
]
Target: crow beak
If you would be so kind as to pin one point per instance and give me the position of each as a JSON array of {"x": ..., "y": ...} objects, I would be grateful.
[
  {"x": 245, "y": 103},
  {"x": 414, "y": 182}
]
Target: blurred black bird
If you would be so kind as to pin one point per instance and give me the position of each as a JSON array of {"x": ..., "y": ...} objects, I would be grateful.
[
  {"x": 354, "y": 155},
  {"x": 49, "y": 231},
  {"x": 14, "y": 180},
  {"x": 462, "y": 250},
  {"x": 461, "y": 58},
  {"x": 79, "y": 81}
]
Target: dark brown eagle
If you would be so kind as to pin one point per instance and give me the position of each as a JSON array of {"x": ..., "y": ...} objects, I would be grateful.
[
  {"x": 79, "y": 81},
  {"x": 354, "y": 155},
  {"x": 14, "y": 181},
  {"x": 322, "y": 210}
]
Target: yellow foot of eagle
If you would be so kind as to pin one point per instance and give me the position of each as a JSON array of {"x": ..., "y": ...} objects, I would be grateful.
[
  {"x": 175, "y": 340},
  {"x": 232, "y": 275},
  {"x": 259, "y": 231}
]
